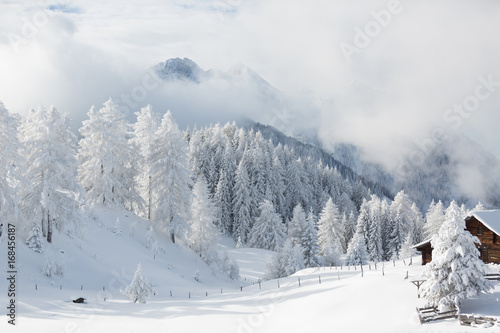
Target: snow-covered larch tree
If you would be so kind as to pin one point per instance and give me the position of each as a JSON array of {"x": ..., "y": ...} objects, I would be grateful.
[
  {"x": 433, "y": 219},
  {"x": 455, "y": 272},
  {"x": 143, "y": 136},
  {"x": 203, "y": 236},
  {"x": 9, "y": 175},
  {"x": 170, "y": 179},
  {"x": 268, "y": 231},
  {"x": 330, "y": 234},
  {"x": 105, "y": 158},
  {"x": 55, "y": 196},
  {"x": 139, "y": 289}
]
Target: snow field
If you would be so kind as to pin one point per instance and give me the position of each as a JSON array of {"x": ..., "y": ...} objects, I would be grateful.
[{"x": 343, "y": 302}]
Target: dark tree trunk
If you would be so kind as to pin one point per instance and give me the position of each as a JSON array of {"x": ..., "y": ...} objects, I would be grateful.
[
  {"x": 149, "y": 198},
  {"x": 44, "y": 227},
  {"x": 49, "y": 228},
  {"x": 172, "y": 237}
]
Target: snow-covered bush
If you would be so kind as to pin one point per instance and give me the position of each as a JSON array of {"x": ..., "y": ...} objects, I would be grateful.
[
  {"x": 229, "y": 266},
  {"x": 34, "y": 240},
  {"x": 52, "y": 267},
  {"x": 150, "y": 238},
  {"x": 117, "y": 229},
  {"x": 139, "y": 288},
  {"x": 285, "y": 262}
]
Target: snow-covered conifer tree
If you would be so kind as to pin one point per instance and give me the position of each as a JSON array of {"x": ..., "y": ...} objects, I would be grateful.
[
  {"x": 277, "y": 184},
  {"x": 34, "y": 240},
  {"x": 349, "y": 224},
  {"x": 401, "y": 223},
  {"x": 310, "y": 247},
  {"x": 417, "y": 224},
  {"x": 296, "y": 225},
  {"x": 268, "y": 231},
  {"x": 224, "y": 192},
  {"x": 479, "y": 207},
  {"x": 374, "y": 239},
  {"x": 203, "y": 236},
  {"x": 455, "y": 272},
  {"x": 241, "y": 204},
  {"x": 55, "y": 196},
  {"x": 407, "y": 250},
  {"x": 170, "y": 179},
  {"x": 356, "y": 250},
  {"x": 139, "y": 289},
  {"x": 331, "y": 234}
]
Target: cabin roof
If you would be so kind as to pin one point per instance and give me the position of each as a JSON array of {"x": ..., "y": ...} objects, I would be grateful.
[
  {"x": 490, "y": 218},
  {"x": 422, "y": 244}
]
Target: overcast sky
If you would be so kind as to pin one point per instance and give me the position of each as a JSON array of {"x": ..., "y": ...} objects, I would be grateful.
[{"x": 380, "y": 74}]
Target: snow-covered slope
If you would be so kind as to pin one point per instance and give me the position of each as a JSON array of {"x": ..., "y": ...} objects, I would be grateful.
[{"x": 97, "y": 267}]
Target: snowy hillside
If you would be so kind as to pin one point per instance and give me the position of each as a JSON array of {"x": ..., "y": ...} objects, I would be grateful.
[{"x": 321, "y": 299}]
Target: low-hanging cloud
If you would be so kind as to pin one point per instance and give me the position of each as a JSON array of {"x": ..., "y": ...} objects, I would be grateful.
[{"x": 386, "y": 97}]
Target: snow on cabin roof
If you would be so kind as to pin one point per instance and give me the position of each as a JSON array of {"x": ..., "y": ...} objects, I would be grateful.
[
  {"x": 490, "y": 218},
  {"x": 425, "y": 242}
]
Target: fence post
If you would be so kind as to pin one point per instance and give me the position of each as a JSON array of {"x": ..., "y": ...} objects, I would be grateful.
[
  {"x": 319, "y": 277},
  {"x": 299, "y": 282},
  {"x": 278, "y": 283},
  {"x": 362, "y": 274}
]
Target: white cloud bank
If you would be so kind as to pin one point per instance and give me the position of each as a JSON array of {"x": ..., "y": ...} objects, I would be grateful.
[{"x": 412, "y": 60}]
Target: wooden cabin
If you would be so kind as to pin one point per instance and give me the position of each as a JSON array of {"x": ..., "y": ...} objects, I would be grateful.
[
  {"x": 485, "y": 225},
  {"x": 426, "y": 249}
]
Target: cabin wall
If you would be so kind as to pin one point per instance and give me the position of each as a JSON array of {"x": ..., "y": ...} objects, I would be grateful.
[{"x": 490, "y": 242}]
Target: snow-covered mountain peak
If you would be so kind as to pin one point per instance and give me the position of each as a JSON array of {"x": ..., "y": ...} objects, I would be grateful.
[{"x": 179, "y": 69}]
